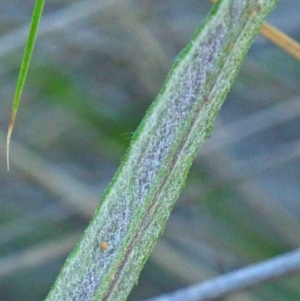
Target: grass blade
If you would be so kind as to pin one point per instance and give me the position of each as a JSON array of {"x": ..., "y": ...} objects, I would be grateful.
[
  {"x": 35, "y": 20},
  {"x": 134, "y": 210}
]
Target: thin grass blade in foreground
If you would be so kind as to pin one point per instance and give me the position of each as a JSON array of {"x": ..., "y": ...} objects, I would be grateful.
[
  {"x": 132, "y": 214},
  {"x": 35, "y": 20},
  {"x": 244, "y": 278}
]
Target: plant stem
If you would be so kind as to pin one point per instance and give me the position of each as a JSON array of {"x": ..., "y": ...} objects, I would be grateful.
[
  {"x": 134, "y": 210},
  {"x": 281, "y": 39},
  {"x": 221, "y": 286},
  {"x": 35, "y": 20}
]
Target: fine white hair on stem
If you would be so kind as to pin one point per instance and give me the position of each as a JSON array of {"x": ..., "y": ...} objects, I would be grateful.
[
  {"x": 134, "y": 210},
  {"x": 244, "y": 278}
]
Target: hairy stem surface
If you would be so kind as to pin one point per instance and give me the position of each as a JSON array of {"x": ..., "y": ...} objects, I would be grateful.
[{"x": 132, "y": 214}]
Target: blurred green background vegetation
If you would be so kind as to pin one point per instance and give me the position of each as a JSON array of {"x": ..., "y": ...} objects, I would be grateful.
[{"x": 96, "y": 68}]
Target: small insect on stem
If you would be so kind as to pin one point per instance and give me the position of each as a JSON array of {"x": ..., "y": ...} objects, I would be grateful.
[
  {"x": 103, "y": 245},
  {"x": 205, "y": 100}
]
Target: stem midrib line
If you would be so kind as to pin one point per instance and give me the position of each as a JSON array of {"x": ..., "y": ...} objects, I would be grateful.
[
  {"x": 135, "y": 208},
  {"x": 172, "y": 165}
]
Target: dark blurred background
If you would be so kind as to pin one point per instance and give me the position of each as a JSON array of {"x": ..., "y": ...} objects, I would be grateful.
[{"x": 96, "y": 68}]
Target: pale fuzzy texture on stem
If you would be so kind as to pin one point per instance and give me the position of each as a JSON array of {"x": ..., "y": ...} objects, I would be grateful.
[
  {"x": 221, "y": 286},
  {"x": 135, "y": 208}
]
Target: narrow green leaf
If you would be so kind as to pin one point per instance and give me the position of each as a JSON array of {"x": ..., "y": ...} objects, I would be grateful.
[
  {"x": 35, "y": 20},
  {"x": 133, "y": 212}
]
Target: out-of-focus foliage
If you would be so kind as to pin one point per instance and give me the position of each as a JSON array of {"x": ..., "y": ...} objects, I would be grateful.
[{"x": 91, "y": 80}]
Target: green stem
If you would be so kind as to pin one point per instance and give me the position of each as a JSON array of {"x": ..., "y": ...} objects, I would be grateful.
[
  {"x": 35, "y": 20},
  {"x": 133, "y": 212}
]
